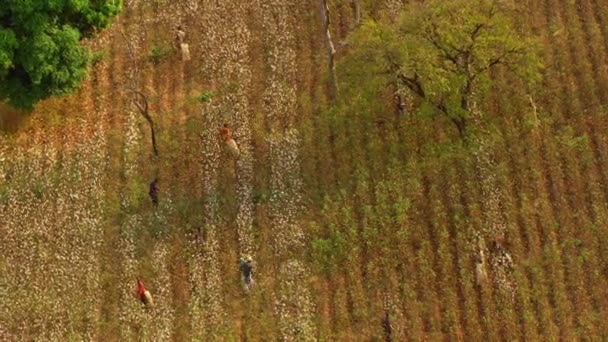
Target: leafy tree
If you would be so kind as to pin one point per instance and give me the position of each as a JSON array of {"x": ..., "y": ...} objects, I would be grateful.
[
  {"x": 40, "y": 54},
  {"x": 442, "y": 53}
]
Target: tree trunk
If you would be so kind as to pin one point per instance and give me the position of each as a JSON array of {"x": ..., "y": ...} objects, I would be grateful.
[
  {"x": 140, "y": 100},
  {"x": 357, "y": 4},
  {"x": 461, "y": 124},
  {"x": 143, "y": 110},
  {"x": 331, "y": 50},
  {"x": 154, "y": 149}
]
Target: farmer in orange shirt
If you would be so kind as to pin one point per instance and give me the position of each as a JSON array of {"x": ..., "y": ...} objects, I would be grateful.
[{"x": 226, "y": 132}]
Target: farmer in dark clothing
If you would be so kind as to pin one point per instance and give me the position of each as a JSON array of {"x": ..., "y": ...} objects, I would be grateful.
[
  {"x": 387, "y": 327},
  {"x": 246, "y": 273},
  {"x": 153, "y": 192}
]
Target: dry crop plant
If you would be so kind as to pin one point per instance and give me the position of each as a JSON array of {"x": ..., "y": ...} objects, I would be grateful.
[
  {"x": 52, "y": 217},
  {"x": 524, "y": 191},
  {"x": 90, "y": 154},
  {"x": 134, "y": 320},
  {"x": 295, "y": 307},
  {"x": 468, "y": 252},
  {"x": 163, "y": 311},
  {"x": 541, "y": 184},
  {"x": 561, "y": 177},
  {"x": 238, "y": 66},
  {"x": 540, "y": 221},
  {"x": 286, "y": 207},
  {"x": 206, "y": 251},
  {"x": 229, "y": 58},
  {"x": 225, "y": 41},
  {"x": 22, "y": 206},
  {"x": 494, "y": 219},
  {"x": 205, "y": 301},
  {"x": 592, "y": 28},
  {"x": 583, "y": 80},
  {"x": 132, "y": 314},
  {"x": 155, "y": 322}
]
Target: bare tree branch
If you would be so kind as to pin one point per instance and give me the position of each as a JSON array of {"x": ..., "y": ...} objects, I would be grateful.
[
  {"x": 477, "y": 29},
  {"x": 331, "y": 50},
  {"x": 496, "y": 61},
  {"x": 141, "y": 102},
  {"x": 413, "y": 83},
  {"x": 357, "y": 4},
  {"x": 448, "y": 52}
]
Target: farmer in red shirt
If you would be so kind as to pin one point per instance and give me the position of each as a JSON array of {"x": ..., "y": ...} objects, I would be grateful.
[{"x": 143, "y": 294}]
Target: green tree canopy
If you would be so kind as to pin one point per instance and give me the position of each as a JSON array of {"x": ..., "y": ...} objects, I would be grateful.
[
  {"x": 442, "y": 53},
  {"x": 40, "y": 54}
]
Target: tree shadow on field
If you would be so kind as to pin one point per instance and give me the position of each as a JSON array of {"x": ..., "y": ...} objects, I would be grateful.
[{"x": 12, "y": 119}]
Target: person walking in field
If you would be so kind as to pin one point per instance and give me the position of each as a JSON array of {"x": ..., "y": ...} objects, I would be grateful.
[
  {"x": 153, "y": 192},
  {"x": 181, "y": 41},
  {"x": 231, "y": 145},
  {"x": 481, "y": 276},
  {"x": 387, "y": 326},
  {"x": 246, "y": 269}
]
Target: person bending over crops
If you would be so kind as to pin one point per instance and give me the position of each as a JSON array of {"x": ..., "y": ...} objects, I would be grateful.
[
  {"x": 231, "y": 145},
  {"x": 501, "y": 249},
  {"x": 226, "y": 132},
  {"x": 144, "y": 295},
  {"x": 481, "y": 275},
  {"x": 153, "y": 192},
  {"x": 246, "y": 268},
  {"x": 181, "y": 42}
]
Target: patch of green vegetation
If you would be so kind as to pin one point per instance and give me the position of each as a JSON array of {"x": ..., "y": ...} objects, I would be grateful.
[
  {"x": 98, "y": 56},
  {"x": 194, "y": 125},
  {"x": 205, "y": 96},
  {"x": 134, "y": 195},
  {"x": 4, "y": 194},
  {"x": 38, "y": 190},
  {"x": 167, "y": 140},
  {"x": 571, "y": 139},
  {"x": 159, "y": 52},
  {"x": 158, "y": 228},
  {"x": 327, "y": 252}
]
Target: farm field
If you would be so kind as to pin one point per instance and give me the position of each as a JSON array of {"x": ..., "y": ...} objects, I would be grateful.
[{"x": 363, "y": 225}]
